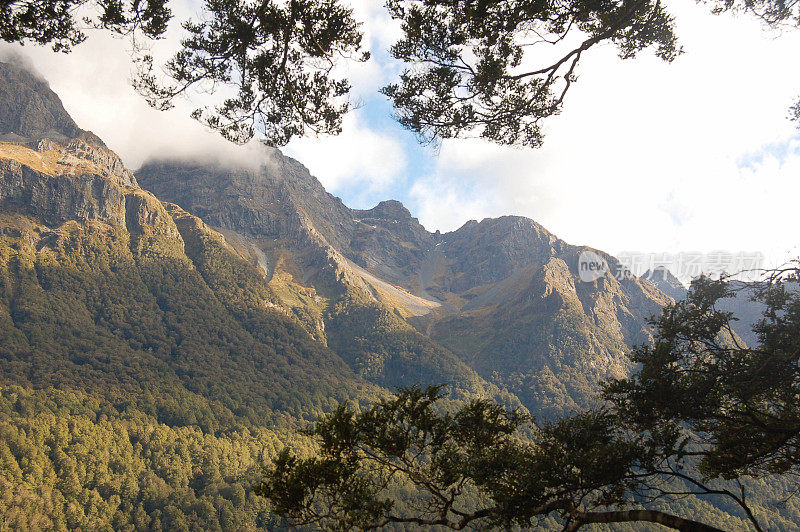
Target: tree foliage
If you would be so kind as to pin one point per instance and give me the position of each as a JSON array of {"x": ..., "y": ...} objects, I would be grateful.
[
  {"x": 62, "y": 23},
  {"x": 482, "y": 465},
  {"x": 470, "y": 72},
  {"x": 71, "y": 460},
  {"x": 481, "y": 68},
  {"x": 703, "y": 408},
  {"x": 736, "y": 407},
  {"x": 279, "y": 56}
]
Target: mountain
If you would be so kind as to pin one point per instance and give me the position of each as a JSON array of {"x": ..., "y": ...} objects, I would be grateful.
[
  {"x": 741, "y": 303},
  {"x": 334, "y": 267},
  {"x": 664, "y": 280},
  {"x": 523, "y": 318},
  {"x": 164, "y": 333},
  {"x": 87, "y": 254},
  {"x": 501, "y": 297},
  {"x": 145, "y": 368},
  {"x": 148, "y": 369}
]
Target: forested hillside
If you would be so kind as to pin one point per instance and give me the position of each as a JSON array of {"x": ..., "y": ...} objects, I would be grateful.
[
  {"x": 165, "y": 333},
  {"x": 141, "y": 358}
]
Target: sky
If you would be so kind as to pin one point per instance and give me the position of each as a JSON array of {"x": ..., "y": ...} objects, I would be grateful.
[{"x": 696, "y": 155}]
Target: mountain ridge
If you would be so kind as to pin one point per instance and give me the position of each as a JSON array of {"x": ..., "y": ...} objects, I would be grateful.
[
  {"x": 471, "y": 280},
  {"x": 156, "y": 350},
  {"x": 29, "y": 110}
]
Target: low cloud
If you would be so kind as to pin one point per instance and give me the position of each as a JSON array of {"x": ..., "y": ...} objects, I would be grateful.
[
  {"x": 93, "y": 81},
  {"x": 359, "y": 156},
  {"x": 14, "y": 56}
]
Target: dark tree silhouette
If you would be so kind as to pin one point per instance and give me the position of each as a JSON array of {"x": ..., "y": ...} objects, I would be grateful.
[
  {"x": 479, "y": 466},
  {"x": 473, "y": 67},
  {"x": 735, "y": 407},
  {"x": 702, "y": 408}
]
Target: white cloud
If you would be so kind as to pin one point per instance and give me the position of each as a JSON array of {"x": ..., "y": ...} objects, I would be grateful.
[
  {"x": 361, "y": 160},
  {"x": 380, "y": 32},
  {"x": 359, "y": 155},
  {"x": 439, "y": 204},
  {"x": 93, "y": 81},
  {"x": 646, "y": 154}
]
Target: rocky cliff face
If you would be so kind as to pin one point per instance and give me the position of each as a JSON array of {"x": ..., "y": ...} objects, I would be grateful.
[
  {"x": 51, "y": 185},
  {"x": 32, "y": 116},
  {"x": 501, "y": 297},
  {"x": 481, "y": 253},
  {"x": 503, "y": 294},
  {"x": 29, "y": 109},
  {"x": 244, "y": 199}
]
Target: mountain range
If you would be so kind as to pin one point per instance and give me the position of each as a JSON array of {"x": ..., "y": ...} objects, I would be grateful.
[
  {"x": 501, "y": 297},
  {"x": 164, "y": 332}
]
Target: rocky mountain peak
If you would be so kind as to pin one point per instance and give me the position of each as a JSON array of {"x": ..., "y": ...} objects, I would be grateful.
[
  {"x": 29, "y": 109},
  {"x": 36, "y": 131},
  {"x": 664, "y": 280},
  {"x": 495, "y": 248},
  {"x": 388, "y": 210},
  {"x": 662, "y": 274}
]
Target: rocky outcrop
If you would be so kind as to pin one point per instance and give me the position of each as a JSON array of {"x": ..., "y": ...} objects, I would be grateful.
[
  {"x": 32, "y": 115},
  {"x": 222, "y": 203},
  {"x": 389, "y": 241},
  {"x": 88, "y": 147},
  {"x": 489, "y": 251},
  {"x": 663, "y": 279},
  {"x": 53, "y": 172},
  {"x": 55, "y": 200},
  {"x": 29, "y": 109}
]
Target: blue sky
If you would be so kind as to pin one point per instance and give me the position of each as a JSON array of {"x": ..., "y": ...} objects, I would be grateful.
[
  {"x": 420, "y": 160},
  {"x": 783, "y": 151}
]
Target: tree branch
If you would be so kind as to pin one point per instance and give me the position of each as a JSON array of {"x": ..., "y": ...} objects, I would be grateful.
[{"x": 580, "y": 519}]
